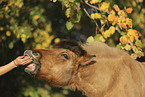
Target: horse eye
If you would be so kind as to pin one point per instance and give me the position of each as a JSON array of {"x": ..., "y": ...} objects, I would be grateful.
[{"x": 65, "y": 56}]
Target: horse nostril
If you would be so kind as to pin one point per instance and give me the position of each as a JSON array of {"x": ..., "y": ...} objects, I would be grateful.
[{"x": 35, "y": 53}]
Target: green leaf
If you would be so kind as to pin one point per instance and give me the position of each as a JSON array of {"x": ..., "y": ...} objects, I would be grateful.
[
  {"x": 127, "y": 47},
  {"x": 90, "y": 39},
  {"x": 99, "y": 37},
  {"x": 134, "y": 56},
  {"x": 68, "y": 12},
  {"x": 138, "y": 43},
  {"x": 69, "y": 25},
  {"x": 71, "y": 0},
  {"x": 119, "y": 46},
  {"x": 78, "y": 17},
  {"x": 11, "y": 45},
  {"x": 135, "y": 50}
]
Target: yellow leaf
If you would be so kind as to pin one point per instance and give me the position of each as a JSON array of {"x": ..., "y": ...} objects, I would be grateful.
[
  {"x": 133, "y": 33},
  {"x": 111, "y": 17},
  {"x": 1, "y": 28},
  {"x": 128, "y": 21},
  {"x": 14, "y": 31},
  {"x": 90, "y": 39},
  {"x": 97, "y": 16},
  {"x": 48, "y": 27},
  {"x": 94, "y": 1},
  {"x": 116, "y": 7},
  {"x": 18, "y": 36},
  {"x": 119, "y": 19},
  {"x": 45, "y": 44},
  {"x": 36, "y": 17},
  {"x": 123, "y": 25},
  {"x": 107, "y": 34},
  {"x": 129, "y": 10},
  {"x": 122, "y": 14},
  {"x": 38, "y": 46},
  {"x": 112, "y": 29},
  {"x": 23, "y": 39},
  {"x": 113, "y": 12},
  {"x": 115, "y": 21},
  {"x": 123, "y": 39},
  {"x": 131, "y": 38},
  {"x": 57, "y": 40},
  {"x": 93, "y": 16},
  {"x": 134, "y": 3},
  {"x": 68, "y": 12},
  {"x": 8, "y": 33},
  {"x": 23, "y": 36},
  {"x": 105, "y": 6}
]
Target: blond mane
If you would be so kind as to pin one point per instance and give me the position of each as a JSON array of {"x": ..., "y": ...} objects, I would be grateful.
[{"x": 103, "y": 50}]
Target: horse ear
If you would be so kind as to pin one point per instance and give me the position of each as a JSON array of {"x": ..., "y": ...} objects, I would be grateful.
[{"x": 85, "y": 60}]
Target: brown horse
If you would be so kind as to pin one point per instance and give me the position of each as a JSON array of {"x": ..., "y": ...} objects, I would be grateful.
[{"x": 93, "y": 68}]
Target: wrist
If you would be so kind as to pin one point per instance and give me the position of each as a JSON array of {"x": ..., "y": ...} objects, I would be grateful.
[{"x": 14, "y": 63}]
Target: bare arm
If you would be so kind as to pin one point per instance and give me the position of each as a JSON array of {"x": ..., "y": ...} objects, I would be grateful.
[{"x": 18, "y": 61}]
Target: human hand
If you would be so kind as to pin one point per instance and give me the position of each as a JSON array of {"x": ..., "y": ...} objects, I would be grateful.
[{"x": 22, "y": 61}]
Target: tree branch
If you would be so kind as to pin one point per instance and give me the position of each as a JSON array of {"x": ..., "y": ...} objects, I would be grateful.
[
  {"x": 97, "y": 27},
  {"x": 97, "y": 8}
]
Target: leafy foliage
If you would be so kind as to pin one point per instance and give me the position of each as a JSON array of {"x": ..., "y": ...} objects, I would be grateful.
[{"x": 112, "y": 20}]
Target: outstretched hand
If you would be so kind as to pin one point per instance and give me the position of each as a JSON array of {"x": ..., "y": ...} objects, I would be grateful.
[{"x": 22, "y": 61}]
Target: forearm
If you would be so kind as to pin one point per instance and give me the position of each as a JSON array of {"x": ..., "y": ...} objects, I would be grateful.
[{"x": 6, "y": 68}]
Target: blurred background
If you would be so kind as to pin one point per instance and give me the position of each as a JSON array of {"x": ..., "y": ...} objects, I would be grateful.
[{"x": 37, "y": 24}]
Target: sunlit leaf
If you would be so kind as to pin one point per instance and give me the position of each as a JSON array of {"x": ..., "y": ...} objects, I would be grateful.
[
  {"x": 111, "y": 17},
  {"x": 131, "y": 38},
  {"x": 107, "y": 34},
  {"x": 129, "y": 10},
  {"x": 134, "y": 56},
  {"x": 95, "y": 1},
  {"x": 68, "y": 12},
  {"x": 116, "y": 7},
  {"x": 105, "y": 6},
  {"x": 78, "y": 17},
  {"x": 69, "y": 25},
  {"x": 132, "y": 32},
  {"x": 127, "y": 47},
  {"x": 11, "y": 45},
  {"x": 90, "y": 39},
  {"x": 138, "y": 43},
  {"x": 36, "y": 17},
  {"x": 112, "y": 29},
  {"x": 128, "y": 21},
  {"x": 115, "y": 21},
  {"x": 8, "y": 33},
  {"x": 123, "y": 39},
  {"x": 99, "y": 37},
  {"x": 123, "y": 25},
  {"x": 57, "y": 40}
]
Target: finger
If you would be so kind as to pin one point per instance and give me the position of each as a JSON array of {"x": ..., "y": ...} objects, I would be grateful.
[
  {"x": 27, "y": 58},
  {"x": 26, "y": 62},
  {"x": 20, "y": 57}
]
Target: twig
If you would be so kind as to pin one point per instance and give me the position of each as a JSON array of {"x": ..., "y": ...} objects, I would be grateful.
[
  {"x": 97, "y": 8},
  {"x": 97, "y": 27}
]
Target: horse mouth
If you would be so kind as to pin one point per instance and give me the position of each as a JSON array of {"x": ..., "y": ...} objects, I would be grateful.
[
  {"x": 34, "y": 66},
  {"x": 30, "y": 67}
]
